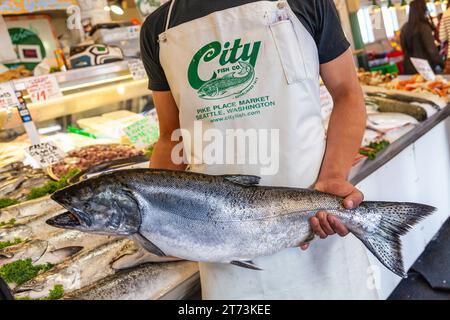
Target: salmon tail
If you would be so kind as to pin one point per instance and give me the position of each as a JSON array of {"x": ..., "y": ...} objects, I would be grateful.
[{"x": 395, "y": 220}]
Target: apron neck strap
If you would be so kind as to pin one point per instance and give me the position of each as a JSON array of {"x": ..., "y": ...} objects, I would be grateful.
[{"x": 172, "y": 3}]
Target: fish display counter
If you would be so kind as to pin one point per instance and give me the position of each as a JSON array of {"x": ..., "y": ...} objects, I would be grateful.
[
  {"x": 88, "y": 90},
  {"x": 102, "y": 120},
  {"x": 415, "y": 167},
  {"x": 405, "y": 156}
]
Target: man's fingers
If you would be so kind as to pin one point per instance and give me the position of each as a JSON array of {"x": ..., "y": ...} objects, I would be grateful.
[
  {"x": 354, "y": 199},
  {"x": 322, "y": 216},
  {"x": 315, "y": 225},
  {"x": 338, "y": 226},
  {"x": 304, "y": 246}
]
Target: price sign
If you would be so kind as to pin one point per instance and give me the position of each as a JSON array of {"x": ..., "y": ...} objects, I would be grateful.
[
  {"x": 423, "y": 67},
  {"x": 43, "y": 88},
  {"x": 137, "y": 69},
  {"x": 45, "y": 153},
  {"x": 7, "y": 96},
  {"x": 142, "y": 133}
]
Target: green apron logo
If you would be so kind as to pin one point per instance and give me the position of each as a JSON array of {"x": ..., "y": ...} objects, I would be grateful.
[{"x": 237, "y": 69}]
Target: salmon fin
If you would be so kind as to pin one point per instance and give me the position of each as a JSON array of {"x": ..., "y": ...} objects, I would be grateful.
[
  {"x": 245, "y": 264},
  {"x": 138, "y": 257},
  {"x": 244, "y": 180},
  {"x": 148, "y": 245},
  {"x": 396, "y": 220}
]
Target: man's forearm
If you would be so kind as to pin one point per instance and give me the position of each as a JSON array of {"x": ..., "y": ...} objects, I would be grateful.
[
  {"x": 162, "y": 155},
  {"x": 344, "y": 136}
]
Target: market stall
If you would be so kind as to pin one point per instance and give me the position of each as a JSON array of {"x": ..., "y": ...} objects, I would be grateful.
[{"x": 81, "y": 114}]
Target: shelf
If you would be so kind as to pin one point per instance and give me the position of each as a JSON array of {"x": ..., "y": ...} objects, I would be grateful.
[
  {"x": 91, "y": 98},
  {"x": 83, "y": 89}
]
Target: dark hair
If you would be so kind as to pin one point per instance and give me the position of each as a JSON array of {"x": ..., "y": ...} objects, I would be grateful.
[{"x": 417, "y": 16}]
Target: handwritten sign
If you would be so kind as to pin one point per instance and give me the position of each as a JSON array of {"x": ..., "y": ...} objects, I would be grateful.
[
  {"x": 45, "y": 153},
  {"x": 142, "y": 133},
  {"x": 423, "y": 67},
  {"x": 7, "y": 96},
  {"x": 137, "y": 69},
  {"x": 43, "y": 88}
]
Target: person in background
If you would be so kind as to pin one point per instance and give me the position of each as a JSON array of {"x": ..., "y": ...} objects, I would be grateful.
[
  {"x": 417, "y": 38},
  {"x": 444, "y": 37}
]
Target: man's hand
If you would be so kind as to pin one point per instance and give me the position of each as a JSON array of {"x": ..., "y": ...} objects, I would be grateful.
[
  {"x": 344, "y": 135},
  {"x": 325, "y": 225}
]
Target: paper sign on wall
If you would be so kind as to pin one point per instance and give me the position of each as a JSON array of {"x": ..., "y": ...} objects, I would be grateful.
[
  {"x": 8, "y": 97},
  {"x": 45, "y": 154},
  {"x": 423, "y": 67},
  {"x": 43, "y": 88},
  {"x": 137, "y": 69},
  {"x": 142, "y": 133}
]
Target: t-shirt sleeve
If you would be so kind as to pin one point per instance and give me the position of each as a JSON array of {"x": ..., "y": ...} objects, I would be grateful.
[
  {"x": 330, "y": 38},
  {"x": 150, "y": 58}
]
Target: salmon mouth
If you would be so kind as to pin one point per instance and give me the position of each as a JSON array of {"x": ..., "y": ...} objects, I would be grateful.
[
  {"x": 27, "y": 288},
  {"x": 67, "y": 220}
]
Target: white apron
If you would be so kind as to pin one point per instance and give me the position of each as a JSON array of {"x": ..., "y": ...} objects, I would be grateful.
[{"x": 256, "y": 67}]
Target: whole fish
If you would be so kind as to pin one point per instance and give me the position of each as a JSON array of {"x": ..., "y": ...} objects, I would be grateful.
[
  {"x": 146, "y": 282},
  {"x": 406, "y": 98},
  {"x": 385, "y": 121},
  {"x": 32, "y": 228},
  {"x": 86, "y": 267},
  {"x": 29, "y": 209},
  {"x": 76, "y": 272},
  {"x": 389, "y": 105},
  {"x": 55, "y": 248},
  {"x": 37, "y": 251},
  {"x": 10, "y": 186},
  {"x": 229, "y": 84},
  {"x": 225, "y": 219}
]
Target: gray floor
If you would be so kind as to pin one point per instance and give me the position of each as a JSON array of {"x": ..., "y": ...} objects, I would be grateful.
[{"x": 429, "y": 277}]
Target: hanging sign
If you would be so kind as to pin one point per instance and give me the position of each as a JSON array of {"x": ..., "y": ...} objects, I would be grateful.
[{"x": 43, "y": 88}]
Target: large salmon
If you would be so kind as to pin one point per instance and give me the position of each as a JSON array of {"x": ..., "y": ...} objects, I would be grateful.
[{"x": 226, "y": 219}]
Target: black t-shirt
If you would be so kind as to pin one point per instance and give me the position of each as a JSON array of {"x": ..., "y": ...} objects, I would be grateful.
[{"x": 319, "y": 17}]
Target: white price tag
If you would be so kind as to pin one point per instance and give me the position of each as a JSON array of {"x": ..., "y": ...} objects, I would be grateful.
[
  {"x": 43, "y": 88},
  {"x": 8, "y": 97},
  {"x": 423, "y": 67},
  {"x": 137, "y": 69},
  {"x": 45, "y": 153}
]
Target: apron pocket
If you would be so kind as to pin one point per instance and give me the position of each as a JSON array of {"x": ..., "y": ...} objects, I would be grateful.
[{"x": 289, "y": 51}]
